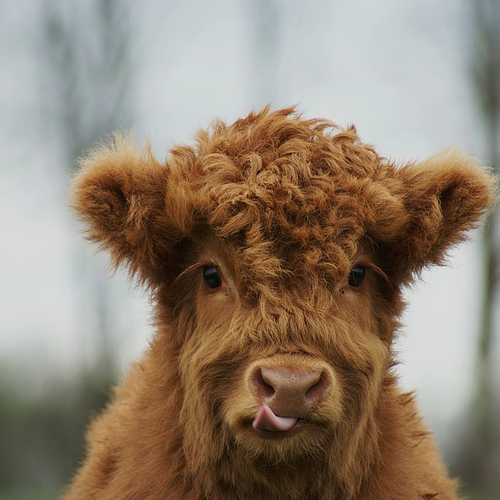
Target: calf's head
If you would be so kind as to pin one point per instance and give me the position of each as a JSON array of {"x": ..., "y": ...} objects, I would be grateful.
[{"x": 275, "y": 249}]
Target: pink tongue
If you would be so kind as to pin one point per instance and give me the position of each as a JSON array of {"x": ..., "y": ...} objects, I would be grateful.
[{"x": 266, "y": 420}]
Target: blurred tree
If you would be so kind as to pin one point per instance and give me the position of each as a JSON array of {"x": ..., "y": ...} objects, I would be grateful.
[
  {"x": 88, "y": 73},
  {"x": 89, "y": 54},
  {"x": 84, "y": 50},
  {"x": 479, "y": 461}
]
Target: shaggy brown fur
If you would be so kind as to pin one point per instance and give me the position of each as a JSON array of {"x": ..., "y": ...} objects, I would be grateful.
[{"x": 270, "y": 373}]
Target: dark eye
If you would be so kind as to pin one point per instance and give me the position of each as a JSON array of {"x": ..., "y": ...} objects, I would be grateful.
[
  {"x": 357, "y": 276},
  {"x": 212, "y": 277}
]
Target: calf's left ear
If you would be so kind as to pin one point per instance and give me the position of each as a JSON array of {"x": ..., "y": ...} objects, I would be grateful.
[{"x": 444, "y": 197}]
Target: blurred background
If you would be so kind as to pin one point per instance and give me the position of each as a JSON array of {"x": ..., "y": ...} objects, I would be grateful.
[{"x": 414, "y": 77}]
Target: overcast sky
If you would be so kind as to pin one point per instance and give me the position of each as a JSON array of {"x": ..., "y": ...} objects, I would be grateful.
[{"x": 397, "y": 70}]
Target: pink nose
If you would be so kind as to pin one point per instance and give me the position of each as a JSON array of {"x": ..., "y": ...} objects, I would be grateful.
[{"x": 290, "y": 390}]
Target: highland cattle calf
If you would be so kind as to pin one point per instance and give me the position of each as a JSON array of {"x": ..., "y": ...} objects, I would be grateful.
[{"x": 275, "y": 250}]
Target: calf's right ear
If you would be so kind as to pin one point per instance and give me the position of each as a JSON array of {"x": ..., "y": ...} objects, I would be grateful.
[{"x": 120, "y": 195}]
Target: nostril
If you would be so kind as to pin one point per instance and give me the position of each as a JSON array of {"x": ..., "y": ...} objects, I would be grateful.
[
  {"x": 262, "y": 384},
  {"x": 317, "y": 390}
]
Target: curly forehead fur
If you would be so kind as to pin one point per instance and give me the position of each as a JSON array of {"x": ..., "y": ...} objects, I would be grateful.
[
  {"x": 276, "y": 249},
  {"x": 300, "y": 192}
]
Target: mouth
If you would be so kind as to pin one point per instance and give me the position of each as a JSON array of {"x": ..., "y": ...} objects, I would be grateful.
[{"x": 268, "y": 425}]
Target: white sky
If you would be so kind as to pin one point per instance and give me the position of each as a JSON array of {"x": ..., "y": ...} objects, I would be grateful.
[{"x": 397, "y": 70}]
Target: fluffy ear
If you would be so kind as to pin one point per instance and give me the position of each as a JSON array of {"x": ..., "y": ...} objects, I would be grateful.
[
  {"x": 120, "y": 194},
  {"x": 443, "y": 198}
]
